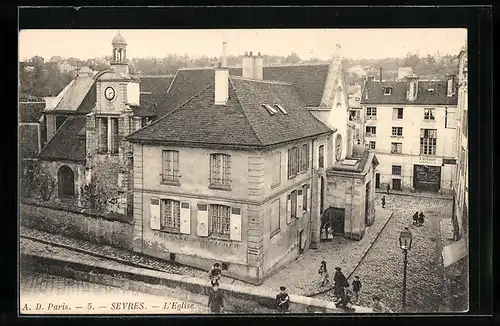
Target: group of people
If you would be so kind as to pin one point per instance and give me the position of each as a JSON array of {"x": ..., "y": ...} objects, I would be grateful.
[
  {"x": 342, "y": 291},
  {"x": 418, "y": 219}
]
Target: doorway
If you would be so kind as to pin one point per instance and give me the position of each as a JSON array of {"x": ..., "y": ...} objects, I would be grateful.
[
  {"x": 301, "y": 244},
  {"x": 396, "y": 184},
  {"x": 427, "y": 177},
  {"x": 377, "y": 180},
  {"x": 333, "y": 223}
]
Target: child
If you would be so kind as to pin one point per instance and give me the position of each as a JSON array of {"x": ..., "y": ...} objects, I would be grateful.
[
  {"x": 215, "y": 274},
  {"x": 356, "y": 286},
  {"x": 325, "y": 277},
  {"x": 383, "y": 202},
  {"x": 379, "y": 306},
  {"x": 421, "y": 219},
  {"x": 415, "y": 218},
  {"x": 283, "y": 300}
]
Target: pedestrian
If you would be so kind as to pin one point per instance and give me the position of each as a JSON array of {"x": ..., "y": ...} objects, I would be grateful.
[
  {"x": 415, "y": 218},
  {"x": 323, "y": 272},
  {"x": 383, "y": 201},
  {"x": 345, "y": 301},
  {"x": 388, "y": 188},
  {"x": 356, "y": 287},
  {"x": 215, "y": 300},
  {"x": 283, "y": 300},
  {"x": 379, "y": 306},
  {"x": 340, "y": 282},
  {"x": 215, "y": 274},
  {"x": 421, "y": 219}
]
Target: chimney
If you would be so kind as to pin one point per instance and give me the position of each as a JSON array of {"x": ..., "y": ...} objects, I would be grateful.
[
  {"x": 412, "y": 90},
  {"x": 258, "y": 67},
  {"x": 247, "y": 65},
  {"x": 380, "y": 74},
  {"x": 252, "y": 66},
  {"x": 224, "y": 54},
  {"x": 221, "y": 85},
  {"x": 451, "y": 85}
]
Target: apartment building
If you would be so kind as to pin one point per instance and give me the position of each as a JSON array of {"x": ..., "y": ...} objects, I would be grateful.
[{"x": 411, "y": 126}]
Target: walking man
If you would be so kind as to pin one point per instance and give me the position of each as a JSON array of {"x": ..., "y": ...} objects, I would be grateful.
[
  {"x": 215, "y": 274},
  {"x": 383, "y": 201},
  {"x": 283, "y": 300},
  {"x": 421, "y": 219},
  {"x": 356, "y": 287},
  {"x": 215, "y": 300},
  {"x": 340, "y": 282},
  {"x": 388, "y": 188},
  {"x": 415, "y": 218}
]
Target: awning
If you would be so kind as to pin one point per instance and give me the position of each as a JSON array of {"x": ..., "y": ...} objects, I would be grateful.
[{"x": 454, "y": 252}]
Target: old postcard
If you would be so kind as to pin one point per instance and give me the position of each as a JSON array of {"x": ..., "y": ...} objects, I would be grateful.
[{"x": 243, "y": 171}]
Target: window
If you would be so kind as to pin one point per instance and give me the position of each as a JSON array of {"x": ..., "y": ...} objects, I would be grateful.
[
  {"x": 275, "y": 217},
  {"x": 321, "y": 156},
  {"x": 170, "y": 166},
  {"x": 387, "y": 90},
  {"x": 281, "y": 108},
  {"x": 371, "y": 131},
  {"x": 220, "y": 219},
  {"x": 429, "y": 114},
  {"x": 396, "y": 148},
  {"x": 397, "y": 131},
  {"x": 397, "y": 113},
  {"x": 356, "y": 133},
  {"x": 305, "y": 189},
  {"x": 371, "y": 113},
  {"x": 352, "y": 115},
  {"x": 220, "y": 171},
  {"x": 170, "y": 218},
  {"x": 66, "y": 182},
  {"x": 464, "y": 122},
  {"x": 270, "y": 109},
  {"x": 371, "y": 145},
  {"x": 338, "y": 147},
  {"x": 277, "y": 169},
  {"x": 396, "y": 170},
  {"x": 449, "y": 119},
  {"x": 298, "y": 160},
  {"x": 428, "y": 138},
  {"x": 59, "y": 121},
  {"x": 293, "y": 201},
  {"x": 102, "y": 131}
]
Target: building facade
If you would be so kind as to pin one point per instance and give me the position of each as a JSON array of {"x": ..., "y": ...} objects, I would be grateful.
[
  {"x": 410, "y": 125},
  {"x": 461, "y": 193}
]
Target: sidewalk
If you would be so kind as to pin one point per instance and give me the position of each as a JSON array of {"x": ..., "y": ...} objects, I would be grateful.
[
  {"x": 301, "y": 276},
  {"x": 414, "y": 194}
]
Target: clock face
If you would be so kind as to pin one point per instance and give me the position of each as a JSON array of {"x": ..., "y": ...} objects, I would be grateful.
[{"x": 109, "y": 93}]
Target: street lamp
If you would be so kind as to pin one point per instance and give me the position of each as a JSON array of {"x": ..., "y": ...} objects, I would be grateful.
[{"x": 405, "y": 240}]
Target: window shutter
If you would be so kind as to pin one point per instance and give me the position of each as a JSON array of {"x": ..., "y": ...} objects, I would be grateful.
[
  {"x": 288, "y": 208},
  {"x": 202, "y": 220},
  {"x": 154, "y": 218},
  {"x": 235, "y": 231},
  {"x": 185, "y": 223},
  {"x": 299, "y": 203}
]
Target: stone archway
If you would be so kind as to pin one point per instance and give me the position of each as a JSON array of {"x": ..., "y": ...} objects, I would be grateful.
[{"x": 66, "y": 182}]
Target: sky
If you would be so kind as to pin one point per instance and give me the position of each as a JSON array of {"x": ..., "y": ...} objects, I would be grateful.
[{"x": 307, "y": 43}]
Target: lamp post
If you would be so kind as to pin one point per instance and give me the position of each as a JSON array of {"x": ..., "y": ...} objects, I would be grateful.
[{"x": 405, "y": 240}]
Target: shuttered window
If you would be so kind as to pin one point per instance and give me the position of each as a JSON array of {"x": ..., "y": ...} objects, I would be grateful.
[
  {"x": 276, "y": 169},
  {"x": 220, "y": 170},
  {"x": 220, "y": 219},
  {"x": 170, "y": 166},
  {"x": 171, "y": 215}
]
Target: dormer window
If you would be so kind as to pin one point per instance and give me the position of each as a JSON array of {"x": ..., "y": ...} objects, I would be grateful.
[
  {"x": 387, "y": 90},
  {"x": 270, "y": 109},
  {"x": 281, "y": 108}
]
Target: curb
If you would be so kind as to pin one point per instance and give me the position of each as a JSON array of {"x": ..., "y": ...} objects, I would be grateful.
[
  {"x": 365, "y": 252},
  {"x": 446, "y": 197}
]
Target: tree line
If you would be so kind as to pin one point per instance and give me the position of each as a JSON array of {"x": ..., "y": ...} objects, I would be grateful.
[{"x": 46, "y": 79}]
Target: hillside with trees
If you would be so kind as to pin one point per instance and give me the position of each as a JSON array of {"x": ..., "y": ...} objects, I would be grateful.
[{"x": 45, "y": 79}]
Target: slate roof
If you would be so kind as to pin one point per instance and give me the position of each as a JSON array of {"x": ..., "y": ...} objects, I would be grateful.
[
  {"x": 398, "y": 96},
  {"x": 144, "y": 110},
  {"x": 28, "y": 141},
  {"x": 74, "y": 94},
  {"x": 242, "y": 122},
  {"x": 309, "y": 80},
  {"x": 68, "y": 144},
  {"x": 156, "y": 85},
  {"x": 31, "y": 112},
  {"x": 360, "y": 167}
]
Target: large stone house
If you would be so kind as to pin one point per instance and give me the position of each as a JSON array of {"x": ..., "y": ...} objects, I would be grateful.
[{"x": 242, "y": 164}]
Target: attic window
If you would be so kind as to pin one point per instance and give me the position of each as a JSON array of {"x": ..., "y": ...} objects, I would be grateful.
[
  {"x": 282, "y": 109},
  {"x": 387, "y": 90},
  {"x": 357, "y": 99},
  {"x": 269, "y": 109},
  {"x": 431, "y": 90}
]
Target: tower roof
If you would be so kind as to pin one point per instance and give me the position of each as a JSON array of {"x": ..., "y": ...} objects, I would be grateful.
[{"x": 119, "y": 39}]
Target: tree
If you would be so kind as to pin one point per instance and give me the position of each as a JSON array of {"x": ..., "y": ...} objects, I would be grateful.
[
  {"x": 42, "y": 185},
  {"x": 293, "y": 58},
  {"x": 92, "y": 194}
]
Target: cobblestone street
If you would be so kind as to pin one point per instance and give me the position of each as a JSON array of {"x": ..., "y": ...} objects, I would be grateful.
[
  {"x": 381, "y": 271},
  {"x": 39, "y": 288}
]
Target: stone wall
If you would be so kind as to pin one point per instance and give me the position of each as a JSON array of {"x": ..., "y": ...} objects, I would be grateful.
[
  {"x": 237, "y": 299},
  {"x": 85, "y": 226}
]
